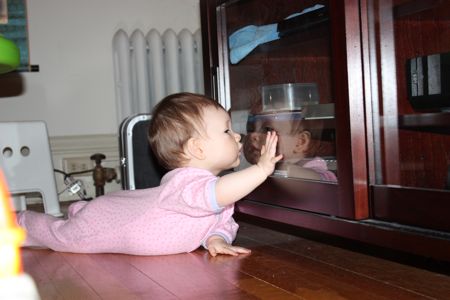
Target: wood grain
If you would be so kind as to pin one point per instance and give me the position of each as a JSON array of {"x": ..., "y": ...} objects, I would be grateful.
[{"x": 281, "y": 266}]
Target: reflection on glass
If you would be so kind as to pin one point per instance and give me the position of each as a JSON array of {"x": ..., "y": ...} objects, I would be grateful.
[
  {"x": 411, "y": 139},
  {"x": 283, "y": 84},
  {"x": 300, "y": 142},
  {"x": 288, "y": 96}
]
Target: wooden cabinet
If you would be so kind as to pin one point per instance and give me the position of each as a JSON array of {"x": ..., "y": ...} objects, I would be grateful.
[
  {"x": 409, "y": 135},
  {"x": 390, "y": 159}
]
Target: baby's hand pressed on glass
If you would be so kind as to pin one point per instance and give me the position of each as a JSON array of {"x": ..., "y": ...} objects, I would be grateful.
[
  {"x": 235, "y": 185},
  {"x": 217, "y": 245},
  {"x": 268, "y": 159}
]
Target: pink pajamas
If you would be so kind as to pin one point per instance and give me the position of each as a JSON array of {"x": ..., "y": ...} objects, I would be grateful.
[
  {"x": 319, "y": 165},
  {"x": 175, "y": 217}
]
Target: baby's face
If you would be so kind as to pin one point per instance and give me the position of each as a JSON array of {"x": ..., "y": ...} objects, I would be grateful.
[
  {"x": 256, "y": 137},
  {"x": 221, "y": 145}
]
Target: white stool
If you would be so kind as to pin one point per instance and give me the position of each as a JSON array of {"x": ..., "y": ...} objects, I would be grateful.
[{"x": 27, "y": 164}]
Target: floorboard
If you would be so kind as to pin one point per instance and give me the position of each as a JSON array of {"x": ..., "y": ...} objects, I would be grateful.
[
  {"x": 405, "y": 277},
  {"x": 282, "y": 265}
]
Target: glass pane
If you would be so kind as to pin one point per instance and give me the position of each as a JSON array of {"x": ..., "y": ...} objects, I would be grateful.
[
  {"x": 410, "y": 55},
  {"x": 278, "y": 77}
]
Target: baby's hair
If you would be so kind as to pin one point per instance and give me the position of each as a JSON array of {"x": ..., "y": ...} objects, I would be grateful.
[{"x": 175, "y": 119}]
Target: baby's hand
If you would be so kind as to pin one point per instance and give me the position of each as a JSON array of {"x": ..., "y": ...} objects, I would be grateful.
[
  {"x": 268, "y": 159},
  {"x": 217, "y": 245}
]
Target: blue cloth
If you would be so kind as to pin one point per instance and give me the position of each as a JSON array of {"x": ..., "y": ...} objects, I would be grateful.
[{"x": 244, "y": 40}]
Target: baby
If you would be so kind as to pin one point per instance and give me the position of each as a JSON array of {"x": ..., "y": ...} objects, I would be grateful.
[
  {"x": 191, "y": 136},
  {"x": 300, "y": 146}
]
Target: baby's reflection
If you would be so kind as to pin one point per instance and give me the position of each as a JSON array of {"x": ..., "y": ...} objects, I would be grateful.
[{"x": 300, "y": 142}]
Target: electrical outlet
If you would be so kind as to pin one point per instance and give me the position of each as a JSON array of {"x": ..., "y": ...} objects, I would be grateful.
[{"x": 77, "y": 164}]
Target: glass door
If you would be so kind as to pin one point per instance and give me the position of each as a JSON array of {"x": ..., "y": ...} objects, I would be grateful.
[
  {"x": 409, "y": 50},
  {"x": 276, "y": 71}
]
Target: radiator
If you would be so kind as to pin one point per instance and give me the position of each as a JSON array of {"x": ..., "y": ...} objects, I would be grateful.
[{"x": 149, "y": 67}]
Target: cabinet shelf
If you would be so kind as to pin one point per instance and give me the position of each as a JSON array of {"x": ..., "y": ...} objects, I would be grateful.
[{"x": 431, "y": 122}]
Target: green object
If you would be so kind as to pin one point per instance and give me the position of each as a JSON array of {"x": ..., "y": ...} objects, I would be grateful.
[{"x": 9, "y": 55}]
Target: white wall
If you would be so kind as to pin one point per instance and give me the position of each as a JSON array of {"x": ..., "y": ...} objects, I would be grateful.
[{"x": 71, "y": 42}]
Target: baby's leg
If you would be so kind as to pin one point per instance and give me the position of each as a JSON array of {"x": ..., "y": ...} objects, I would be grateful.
[
  {"x": 75, "y": 207},
  {"x": 36, "y": 225}
]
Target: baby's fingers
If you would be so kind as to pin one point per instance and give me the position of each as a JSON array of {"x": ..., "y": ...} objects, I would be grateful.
[
  {"x": 271, "y": 142},
  {"x": 263, "y": 149},
  {"x": 277, "y": 158}
]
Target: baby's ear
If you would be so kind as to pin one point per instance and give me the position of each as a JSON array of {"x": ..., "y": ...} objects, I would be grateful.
[
  {"x": 303, "y": 141},
  {"x": 194, "y": 148}
]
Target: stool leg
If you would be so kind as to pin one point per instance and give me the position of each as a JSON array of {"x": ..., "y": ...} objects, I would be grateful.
[
  {"x": 19, "y": 202},
  {"x": 51, "y": 204}
]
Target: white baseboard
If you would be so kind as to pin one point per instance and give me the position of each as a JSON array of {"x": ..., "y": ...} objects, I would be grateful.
[{"x": 85, "y": 146}]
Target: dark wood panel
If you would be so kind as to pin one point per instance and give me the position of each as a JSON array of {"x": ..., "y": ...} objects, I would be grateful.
[
  {"x": 420, "y": 29},
  {"x": 362, "y": 231},
  {"x": 411, "y": 206},
  {"x": 349, "y": 109},
  {"x": 299, "y": 194},
  {"x": 209, "y": 45}
]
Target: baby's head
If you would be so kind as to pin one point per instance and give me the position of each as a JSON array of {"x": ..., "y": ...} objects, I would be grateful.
[
  {"x": 298, "y": 138},
  {"x": 175, "y": 119}
]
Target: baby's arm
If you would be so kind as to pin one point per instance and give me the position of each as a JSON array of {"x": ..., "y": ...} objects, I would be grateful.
[
  {"x": 217, "y": 245},
  {"x": 234, "y": 186}
]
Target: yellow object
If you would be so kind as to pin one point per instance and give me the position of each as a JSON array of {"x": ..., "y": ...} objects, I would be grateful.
[
  {"x": 11, "y": 235},
  {"x": 14, "y": 283},
  {"x": 9, "y": 55}
]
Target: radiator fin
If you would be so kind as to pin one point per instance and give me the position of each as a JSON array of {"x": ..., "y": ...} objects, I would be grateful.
[{"x": 148, "y": 67}]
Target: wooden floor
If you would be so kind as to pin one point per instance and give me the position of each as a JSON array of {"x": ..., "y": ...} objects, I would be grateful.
[{"x": 281, "y": 266}]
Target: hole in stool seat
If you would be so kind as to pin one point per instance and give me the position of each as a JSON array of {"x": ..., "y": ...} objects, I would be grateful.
[
  {"x": 7, "y": 152},
  {"x": 25, "y": 151}
]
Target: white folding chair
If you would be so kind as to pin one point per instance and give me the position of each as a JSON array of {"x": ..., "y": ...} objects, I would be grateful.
[{"x": 27, "y": 164}]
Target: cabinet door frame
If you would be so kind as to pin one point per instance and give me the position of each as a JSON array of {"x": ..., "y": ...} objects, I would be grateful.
[
  {"x": 350, "y": 105},
  {"x": 414, "y": 208},
  {"x": 349, "y": 198}
]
